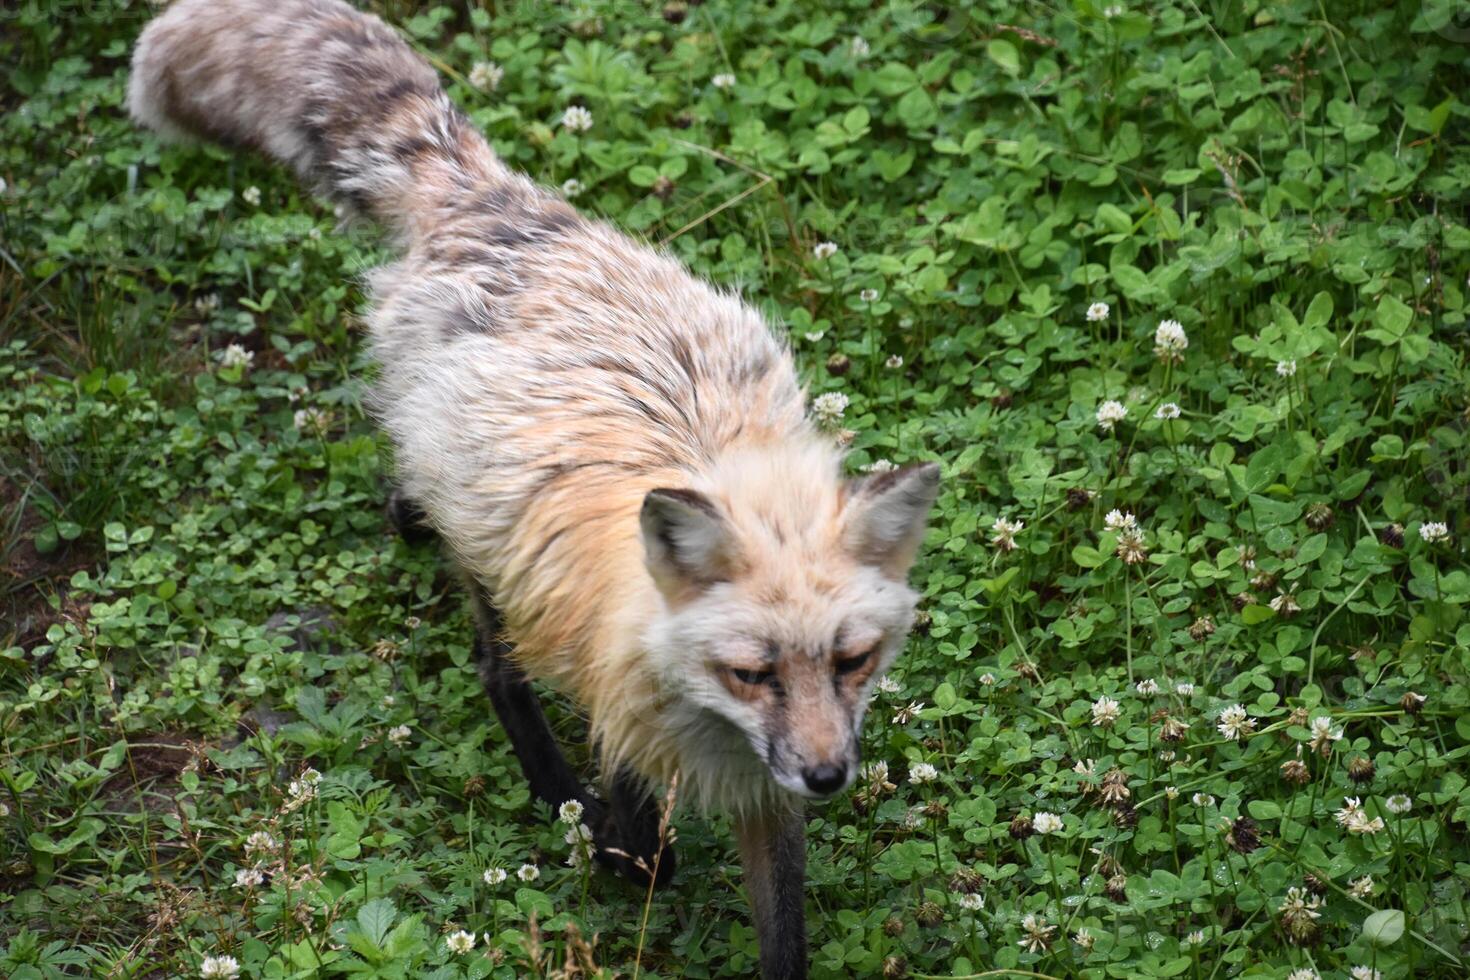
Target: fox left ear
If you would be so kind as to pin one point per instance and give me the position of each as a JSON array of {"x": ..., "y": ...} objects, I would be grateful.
[
  {"x": 886, "y": 516},
  {"x": 686, "y": 541}
]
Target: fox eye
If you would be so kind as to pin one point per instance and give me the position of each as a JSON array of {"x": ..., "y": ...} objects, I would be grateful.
[
  {"x": 850, "y": 664},
  {"x": 755, "y": 678}
]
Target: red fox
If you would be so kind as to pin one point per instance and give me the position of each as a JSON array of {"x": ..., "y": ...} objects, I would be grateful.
[{"x": 616, "y": 455}]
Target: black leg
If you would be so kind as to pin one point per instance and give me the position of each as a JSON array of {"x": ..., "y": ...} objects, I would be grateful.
[
  {"x": 773, "y": 855},
  {"x": 629, "y": 839},
  {"x": 625, "y": 829},
  {"x": 407, "y": 518},
  {"x": 519, "y": 710}
]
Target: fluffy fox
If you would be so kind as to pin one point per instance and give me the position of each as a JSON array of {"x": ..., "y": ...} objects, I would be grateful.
[{"x": 616, "y": 456}]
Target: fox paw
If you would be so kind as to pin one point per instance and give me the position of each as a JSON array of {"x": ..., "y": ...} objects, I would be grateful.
[{"x": 635, "y": 853}]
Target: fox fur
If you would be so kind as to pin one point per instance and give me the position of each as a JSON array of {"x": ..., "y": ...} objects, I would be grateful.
[{"x": 616, "y": 454}]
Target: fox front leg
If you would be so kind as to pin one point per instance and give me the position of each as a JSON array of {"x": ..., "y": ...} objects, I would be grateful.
[
  {"x": 516, "y": 705},
  {"x": 773, "y": 854}
]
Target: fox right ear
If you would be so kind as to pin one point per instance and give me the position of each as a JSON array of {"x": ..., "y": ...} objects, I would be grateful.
[
  {"x": 887, "y": 514},
  {"x": 686, "y": 541}
]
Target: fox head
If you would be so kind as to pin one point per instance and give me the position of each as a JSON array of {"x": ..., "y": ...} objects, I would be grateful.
[{"x": 784, "y": 600}]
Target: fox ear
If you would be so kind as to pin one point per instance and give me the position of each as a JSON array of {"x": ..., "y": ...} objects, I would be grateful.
[
  {"x": 686, "y": 542},
  {"x": 886, "y": 516}
]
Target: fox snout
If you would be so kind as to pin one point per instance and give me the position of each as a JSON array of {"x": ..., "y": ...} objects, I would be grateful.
[{"x": 826, "y": 778}]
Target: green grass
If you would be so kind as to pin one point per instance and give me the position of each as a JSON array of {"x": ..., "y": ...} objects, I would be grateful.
[{"x": 202, "y": 598}]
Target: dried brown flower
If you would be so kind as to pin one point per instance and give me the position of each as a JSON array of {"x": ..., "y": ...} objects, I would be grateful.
[
  {"x": 1360, "y": 770},
  {"x": 1392, "y": 536},
  {"x": 1201, "y": 629},
  {"x": 1243, "y": 836},
  {"x": 1295, "y": 771},
  {"x": 1319, "y": 517}
]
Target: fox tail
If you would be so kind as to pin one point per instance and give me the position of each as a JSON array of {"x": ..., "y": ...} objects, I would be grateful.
[{"x": 333, "y": 93}]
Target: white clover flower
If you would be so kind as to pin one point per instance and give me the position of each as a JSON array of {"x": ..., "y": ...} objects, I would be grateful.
[
  {"x": 1098, "y": 312},
  {"x": 249, "y": 878},
  {"x": 460, "y": 942},
  {"x": 303, "y": 787},
  {"x": 1286, "y": 368},
  {"x": 1172, "y": 792},
  {"x": 576, "y": 119},
  {"x": 1235, "y": 723},
  {"x": 5, "y": 187},
  {"x": 1083, "y": 937},
  {"x": 894, "y": 362},
  {"x": 1085, "y": 767},
  {"x": 570, "y": 812},
  {"x": 235, "y": 356},
  {"x": 1196, "y": 938},
  {"x": 1434, "y": 531},
  {"x": 813, "y": 336},
  {"x": 207, "y": 303},
  {"x": 1399, "y": 804},
  {"x": 219, "y": 968},
  {"x": 888, "y": 685},
  {"x": 921, "y": 773},
  {"x": 1351, "y": 808},
  {"x": 1358, "y": 823},
  {"x": 906, "y": 714},
  {"x": 1323, "y": 734},
  {"x": 1168, "y": 410},
  {"x": 486, "y": 75},
  {"x": 1105, "y": 711},
  {"x": 880, "y": 466},
  {"x": 251, "y": 195},
  {"x": 1305, "y": 973},
  {"x": 973, "y": 902},
  {"x": 859, "y": 47},
  {"x": 869, "y": 295},
  {"x": 579, "y": 839},
  {"x": 1285, "y": 604},
  {"x": 1365, "y": 973},
  {"x": 260, "y": 842},
  {"x": 1203, "y": 799},
  {"x": 1170, "y": 341},
  {"x": 1362, "y": 887},
  {"x": 1046, "y": 822},
  {"x": 824, "y": 250},
  {"x": 528, "y": 872},
  {"x": 723, "y": 80},
  {"x": 986, "y": 679},
  {"x": 312, "y": 421},
  {"x": 1184, "y": 689},
  {"x": 400, "y": 734},
  {"x": 571, "y": 187},
  {"x": 1113, "y": 10},
  {"x": 875, "y": 772},
  {"x": 1119, "y": 520},
  {"x": 829, "y": 406},
  {"x": 1038, "y": 933},
  {"x": 1148, "y": 687},
  {"x": 1109, "y": 414},
  {"x": 494, "y": 876},
  {"x": 1005, "y": 533}
]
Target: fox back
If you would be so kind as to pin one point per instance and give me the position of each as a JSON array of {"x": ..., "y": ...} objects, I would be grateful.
[{"x": 615, "y": 453}]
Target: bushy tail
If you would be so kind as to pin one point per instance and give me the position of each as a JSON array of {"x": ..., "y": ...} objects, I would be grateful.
[{"x": 332, "y": 92}]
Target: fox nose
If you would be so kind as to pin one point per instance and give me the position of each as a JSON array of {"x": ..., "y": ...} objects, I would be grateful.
[{"x": 825, "y": 778}]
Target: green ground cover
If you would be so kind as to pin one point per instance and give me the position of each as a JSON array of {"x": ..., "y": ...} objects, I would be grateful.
[{"x": 1220, "y": 732}]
